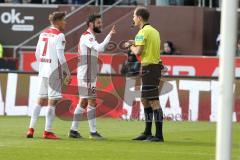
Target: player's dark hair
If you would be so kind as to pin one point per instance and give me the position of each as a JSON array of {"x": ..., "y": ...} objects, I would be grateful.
[
  {"x": 92, "y": 18},
  {"x": 142, "y": 12},
  {"x": 56, "y": 16}
]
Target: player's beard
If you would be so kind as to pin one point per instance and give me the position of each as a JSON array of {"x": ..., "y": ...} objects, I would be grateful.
[{"x": 96, "y": 29}]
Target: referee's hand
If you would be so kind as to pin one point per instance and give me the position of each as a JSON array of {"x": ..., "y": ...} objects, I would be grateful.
[{"x": 129, "y": 43}]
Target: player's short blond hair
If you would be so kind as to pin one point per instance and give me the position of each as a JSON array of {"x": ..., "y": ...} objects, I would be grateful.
[{"x": 56, "y": 16}]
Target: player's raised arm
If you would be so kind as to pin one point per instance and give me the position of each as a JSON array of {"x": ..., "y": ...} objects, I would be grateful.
[{"x": 100, "y": 47}]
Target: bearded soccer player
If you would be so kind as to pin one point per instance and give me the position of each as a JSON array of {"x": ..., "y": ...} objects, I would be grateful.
[
  {"x": 89, "y": 49},
  {"x": 52, "y": 67}
]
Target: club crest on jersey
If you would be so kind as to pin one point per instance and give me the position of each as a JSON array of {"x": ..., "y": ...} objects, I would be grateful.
[{"x": 91, "y": 39}]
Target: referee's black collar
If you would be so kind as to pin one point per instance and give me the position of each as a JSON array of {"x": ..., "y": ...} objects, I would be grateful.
[{"x": 145, "y": 25}]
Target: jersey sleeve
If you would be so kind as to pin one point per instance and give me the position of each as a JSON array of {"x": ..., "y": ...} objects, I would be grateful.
[
  {"x": 140, "y": 39},
  {"x": 90, "y": 42},
  {"x": 62, "y": 60},
  {"x": 61, "y": 42},
  {"x": 37, "y": 52}
]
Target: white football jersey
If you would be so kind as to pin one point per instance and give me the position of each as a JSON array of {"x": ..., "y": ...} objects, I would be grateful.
[
  {"x": 89, "y": 49},
  {"x": 50, "y": 40}
]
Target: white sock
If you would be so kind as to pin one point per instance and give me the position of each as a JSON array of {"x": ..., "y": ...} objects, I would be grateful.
[
  {"x": 76, "y": 118},
  {"x": 50, "y": 115},
  {"x": 91, "y": 114},
  {"x": 34, "y": 117}
]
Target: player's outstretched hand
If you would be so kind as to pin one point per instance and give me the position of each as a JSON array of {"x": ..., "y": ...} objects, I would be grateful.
[{"x": 113, "y": 30}]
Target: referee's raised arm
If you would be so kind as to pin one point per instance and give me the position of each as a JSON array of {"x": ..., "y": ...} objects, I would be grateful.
[{"x": 147, "y": 45}]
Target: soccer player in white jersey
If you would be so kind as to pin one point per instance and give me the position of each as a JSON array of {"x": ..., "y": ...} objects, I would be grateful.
[
  {"x": 89, "y": 49},
  {"x": 52, "y": 68}
]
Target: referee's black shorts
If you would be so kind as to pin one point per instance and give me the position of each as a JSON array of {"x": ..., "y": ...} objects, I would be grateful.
[{"x": 151, "y": 75}]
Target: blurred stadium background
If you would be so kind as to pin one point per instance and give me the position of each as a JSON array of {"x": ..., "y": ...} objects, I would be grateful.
[{"x": 190, "y": 28}]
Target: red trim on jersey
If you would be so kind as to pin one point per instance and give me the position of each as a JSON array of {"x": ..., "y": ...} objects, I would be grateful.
[
  {"x": 86, "y": 32},
  {"x": 52, "y": 31}
]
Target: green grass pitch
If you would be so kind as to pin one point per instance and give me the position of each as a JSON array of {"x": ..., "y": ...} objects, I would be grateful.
[{"x": 183, "y": 141}]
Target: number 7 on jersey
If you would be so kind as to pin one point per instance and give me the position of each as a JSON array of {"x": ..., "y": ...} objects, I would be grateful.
[{"x": 45, "y": 40}]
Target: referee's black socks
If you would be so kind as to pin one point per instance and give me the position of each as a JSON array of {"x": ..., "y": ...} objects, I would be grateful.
[
  {"x": 148, "y": 120},
  {"x": 158, "y": 117}
]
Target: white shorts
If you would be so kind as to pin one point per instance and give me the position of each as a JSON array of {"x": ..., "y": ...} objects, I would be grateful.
[
  {"x": 87, "y": 89},
  {"x": 50, "y": 89}
]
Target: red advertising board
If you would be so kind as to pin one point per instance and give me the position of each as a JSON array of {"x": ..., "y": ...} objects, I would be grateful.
[{"x": 177, "y": 65}]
